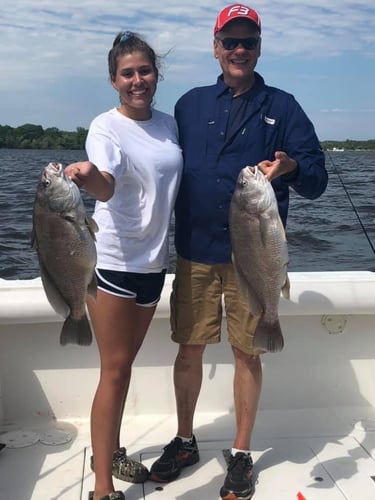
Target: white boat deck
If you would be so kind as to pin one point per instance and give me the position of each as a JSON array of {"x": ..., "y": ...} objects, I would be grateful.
[
  {"x": 314, "y": 437},
  {"x": 319, "y": 454}
]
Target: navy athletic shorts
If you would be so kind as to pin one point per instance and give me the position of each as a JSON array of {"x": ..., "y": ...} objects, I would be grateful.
[{"x": 145, "y": 288}]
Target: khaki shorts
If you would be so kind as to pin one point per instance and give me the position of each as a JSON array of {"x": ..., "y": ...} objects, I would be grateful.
[{"x": 197, "y": 306}]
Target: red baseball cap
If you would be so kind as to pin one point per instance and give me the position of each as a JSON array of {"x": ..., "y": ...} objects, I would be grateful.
[{"x": 236, "y": 11}]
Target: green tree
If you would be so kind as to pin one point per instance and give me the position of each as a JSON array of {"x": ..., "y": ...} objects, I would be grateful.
[{"x": 28, "y": 132}]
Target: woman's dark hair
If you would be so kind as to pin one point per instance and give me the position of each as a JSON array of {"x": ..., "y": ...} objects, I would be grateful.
[{"x": 127, "y": 42}]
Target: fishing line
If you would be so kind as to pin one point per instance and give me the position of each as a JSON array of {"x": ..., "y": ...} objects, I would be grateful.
[{"x": 351, "y": 202}]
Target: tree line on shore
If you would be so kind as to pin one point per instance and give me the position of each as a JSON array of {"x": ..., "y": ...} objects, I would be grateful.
[{"x": 29, "y": 136}]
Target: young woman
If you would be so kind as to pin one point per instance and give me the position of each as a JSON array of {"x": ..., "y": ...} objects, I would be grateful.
[{"x": 133, "y": 172}]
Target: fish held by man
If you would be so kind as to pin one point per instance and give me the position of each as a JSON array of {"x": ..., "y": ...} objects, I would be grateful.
[
  {"x": 260, "y": 254},
  {"x": 63, "y": 236}
]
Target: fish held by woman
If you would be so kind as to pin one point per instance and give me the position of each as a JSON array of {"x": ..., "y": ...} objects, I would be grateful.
[
  {"x": 63, "y": 236},
  {"x": 260, "y": 254}
]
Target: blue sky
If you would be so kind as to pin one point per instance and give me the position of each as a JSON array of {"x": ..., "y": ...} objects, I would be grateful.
[{"x": 53, "y": 57}]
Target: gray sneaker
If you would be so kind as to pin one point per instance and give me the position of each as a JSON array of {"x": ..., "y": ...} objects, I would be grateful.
[{"x": 125, "y": 468}]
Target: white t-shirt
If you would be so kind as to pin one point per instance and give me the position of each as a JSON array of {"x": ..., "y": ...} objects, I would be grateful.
[{"x": 145, "y": 159}]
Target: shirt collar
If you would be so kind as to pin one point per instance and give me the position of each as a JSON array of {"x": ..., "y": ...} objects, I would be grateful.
[{"x": 222, "y": 88}]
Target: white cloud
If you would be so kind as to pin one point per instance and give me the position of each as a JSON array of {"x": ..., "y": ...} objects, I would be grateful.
[
  {"x": 48, "y": 48},
  {"x": 346, "y": 110}
]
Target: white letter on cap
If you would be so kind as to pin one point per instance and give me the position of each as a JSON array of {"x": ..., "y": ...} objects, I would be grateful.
[{"x": 241, "y": 9}]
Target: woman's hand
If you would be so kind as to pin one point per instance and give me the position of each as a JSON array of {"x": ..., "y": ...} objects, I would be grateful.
[
  {"x": 80, "y": 172},
  {"x": 100, "y": 185}
]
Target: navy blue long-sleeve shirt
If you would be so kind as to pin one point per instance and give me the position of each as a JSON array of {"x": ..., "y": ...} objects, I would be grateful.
[{"x": 214, "y": 155}]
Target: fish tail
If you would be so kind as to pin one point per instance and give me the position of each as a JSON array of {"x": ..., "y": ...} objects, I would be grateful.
[
  {"x": 76, "y": 331},
  {"x": 268, "y": 337},
  {"x": 92, "y": 287}
]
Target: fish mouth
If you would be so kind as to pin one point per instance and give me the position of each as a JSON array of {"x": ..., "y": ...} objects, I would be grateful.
[
  {"x": 53, "y": 169},
  {"x": 253, "y": 170},
  {"x": 55, "y": 166}
]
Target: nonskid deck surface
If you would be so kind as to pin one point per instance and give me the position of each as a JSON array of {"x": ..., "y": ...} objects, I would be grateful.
[{"x": 319, "y": 455}]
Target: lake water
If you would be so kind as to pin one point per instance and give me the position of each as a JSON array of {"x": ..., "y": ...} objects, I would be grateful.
[{"x": 335, "y": 232}]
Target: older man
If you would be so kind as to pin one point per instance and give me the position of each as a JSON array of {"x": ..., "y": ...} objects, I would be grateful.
[{"x": 236, "y": 122}]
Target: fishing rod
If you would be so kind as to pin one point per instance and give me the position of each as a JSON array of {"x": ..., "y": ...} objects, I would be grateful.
[{"x": 351, "y": 202}]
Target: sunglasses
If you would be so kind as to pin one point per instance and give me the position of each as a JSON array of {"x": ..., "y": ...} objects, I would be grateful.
[{"x": 231, "y": 43}]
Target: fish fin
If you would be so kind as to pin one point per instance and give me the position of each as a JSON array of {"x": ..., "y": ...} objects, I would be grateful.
[
  {"x": 247, "y": 292},
  {"x": 70, "y": 218},
  {"x": 52, "y": 292},
  {"x": 76, "y": 331},
  {"x": 255, "y": 306},
  {"x": 281, "y": 228},
  {"x": 268, "y": 337},
  {"x": 285, "y": 290},
  {"x": 92, "y": 287},
  {"x": 263, "y": 225},
  {"x": 92, "y": 226},
  {"x": 33, "y": 241}
]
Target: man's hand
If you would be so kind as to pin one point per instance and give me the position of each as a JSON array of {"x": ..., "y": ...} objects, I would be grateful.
[{"x": 280, "y": 166}]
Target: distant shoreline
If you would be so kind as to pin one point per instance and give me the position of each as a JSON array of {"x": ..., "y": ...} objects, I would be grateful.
[{"x": 30, "y": 136}]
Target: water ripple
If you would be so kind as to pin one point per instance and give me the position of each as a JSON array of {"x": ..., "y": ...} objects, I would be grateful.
[{"x": 323, "y": 234}]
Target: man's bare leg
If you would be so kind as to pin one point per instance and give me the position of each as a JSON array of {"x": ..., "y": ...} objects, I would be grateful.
[
  {"x": 247, "y": 388},
  {"x": 187, "y": 383}
]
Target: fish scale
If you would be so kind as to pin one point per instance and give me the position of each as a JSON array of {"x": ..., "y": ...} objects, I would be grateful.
[
  {"x": 260, "y": 254},
  {"x": 64, "y": 239}
]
